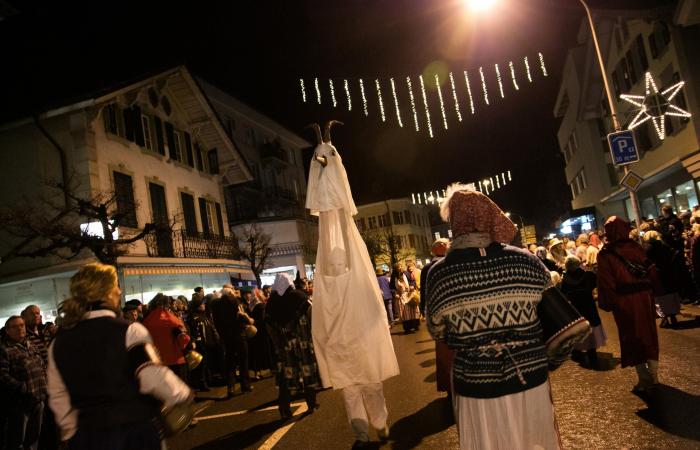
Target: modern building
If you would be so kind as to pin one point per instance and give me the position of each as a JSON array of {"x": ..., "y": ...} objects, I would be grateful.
[
  {"x": 398, "y": 217},
  {"x": 158, "y": 147},
  {"x": 664, "y": 42},
  {"x": 275, "y": 198}
]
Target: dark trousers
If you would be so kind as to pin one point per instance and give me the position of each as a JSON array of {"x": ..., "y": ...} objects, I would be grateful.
[
  {"x": 131, "y": 436},
  {"x": 237, "y": 357},
  {"x": 389, "y": 306},
  {"x": 24, "y": 425},
  {"x": 285, "y": 399}
]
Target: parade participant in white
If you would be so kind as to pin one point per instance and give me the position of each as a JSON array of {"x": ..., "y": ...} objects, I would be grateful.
[{"x": 352, "y": 341}]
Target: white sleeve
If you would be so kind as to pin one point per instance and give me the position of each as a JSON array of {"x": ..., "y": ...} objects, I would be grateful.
[
  {"x": 156, "y": 380},
  {"x": 59, "y": 400}
]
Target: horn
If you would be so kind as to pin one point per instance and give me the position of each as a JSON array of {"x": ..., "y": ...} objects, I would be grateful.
[
  {"x": 317, "y": 128},
  {"x": 327, "y": 131}
]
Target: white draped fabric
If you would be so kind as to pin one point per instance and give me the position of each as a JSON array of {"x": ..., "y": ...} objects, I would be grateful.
[{"x": 351, "y": 338}]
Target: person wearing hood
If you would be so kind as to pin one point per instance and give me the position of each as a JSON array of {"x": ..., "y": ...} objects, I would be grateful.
[
  {"x": 288, "y": 320},
  {"x": 482, "y": 301},
  {"x": 627, "y": 281},
  {"x": 578, "y": 285}
]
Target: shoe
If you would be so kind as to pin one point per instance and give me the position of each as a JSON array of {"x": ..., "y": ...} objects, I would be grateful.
[
  {"x": 383, "y": 434},
  {"x": 285, "y": 414},
  {"x": 664, "y": 323},
  {"x": 246, "y": 388},
  {"x": 358, "y": 444}
]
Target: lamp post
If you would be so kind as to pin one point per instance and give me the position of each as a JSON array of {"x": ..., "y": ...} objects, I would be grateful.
[{"x": 611, "y": 103}]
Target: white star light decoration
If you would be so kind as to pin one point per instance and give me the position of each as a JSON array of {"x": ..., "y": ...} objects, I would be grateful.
[{"x": 655, "y": 105}]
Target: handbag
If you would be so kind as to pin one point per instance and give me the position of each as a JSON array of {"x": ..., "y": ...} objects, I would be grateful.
[
  {"x": 562, "y": 326},
  {"x": 637, "y": 270}
]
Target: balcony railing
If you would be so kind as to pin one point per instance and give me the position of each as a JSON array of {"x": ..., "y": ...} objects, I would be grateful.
[{"x": 167, "y": 243}]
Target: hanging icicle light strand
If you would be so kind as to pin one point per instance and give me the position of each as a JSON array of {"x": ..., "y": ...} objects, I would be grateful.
[
  {"x": 498, "y": 78},
  {"x": 413, "y": 103},
  {"x": 512, "y": 75},
  {"x": 335, "y": 103},
  {"x": 442, "y": 103},
  {"x": 364, "y": 98},
  {"x": 527, "y": 70},
  {"x": 454, "y": 96},
  {"x": 469, "y": 91},
  {"x": 396, "y": 102},
  {"x": 318, "y": 91},
  {"x": 303, "y": 90},
  {"x": 379, "y": 98},
  {"x": 425, "y": 104},
  {"x": 347, "y": 94},
  {"x": 483, "y": 85},
  {"x": 542, "y": 66}
]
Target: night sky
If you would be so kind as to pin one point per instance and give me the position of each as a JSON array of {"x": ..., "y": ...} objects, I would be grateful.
[{"x": 258, "y": 53}]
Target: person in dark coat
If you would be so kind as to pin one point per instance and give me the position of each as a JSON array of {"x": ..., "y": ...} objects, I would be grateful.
[
  {"x": 578, "y": 286},
  {"x": 230, "y": 320},
  {"x": 288, "y": 321},
  {"x": 628, "y": 293},
  {"x": 670, "y": 267},
  {"x": 206, "y": 339},
  {"x": 259, "y": 345}
]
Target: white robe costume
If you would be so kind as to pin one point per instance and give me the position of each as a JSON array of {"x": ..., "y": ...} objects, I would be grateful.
[{"x": 351, "y": 338}]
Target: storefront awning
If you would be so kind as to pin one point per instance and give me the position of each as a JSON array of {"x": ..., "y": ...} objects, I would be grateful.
[{"x": 171, "y": 266}]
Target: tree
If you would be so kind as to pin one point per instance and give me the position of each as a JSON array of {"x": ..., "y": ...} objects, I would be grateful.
[
  {"x": 384, "y": 245},
  {"x": 255, "y": 248},
  {"x": 50, "y": 228}
]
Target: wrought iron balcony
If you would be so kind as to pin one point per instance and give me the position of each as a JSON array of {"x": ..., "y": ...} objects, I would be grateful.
[{"x": 169, "y": 243}]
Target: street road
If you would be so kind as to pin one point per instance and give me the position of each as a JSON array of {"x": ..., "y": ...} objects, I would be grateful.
[{"x": 595, "y": 409}]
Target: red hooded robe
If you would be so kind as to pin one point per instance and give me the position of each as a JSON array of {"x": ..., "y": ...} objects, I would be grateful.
[{"x": 630, "y": 299}]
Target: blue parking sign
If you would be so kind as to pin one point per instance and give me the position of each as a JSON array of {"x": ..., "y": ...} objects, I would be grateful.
[{"x": 623, "y": 147}]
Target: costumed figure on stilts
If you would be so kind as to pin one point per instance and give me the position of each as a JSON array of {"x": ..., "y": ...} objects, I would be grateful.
[{"x": 351, "y": 337}]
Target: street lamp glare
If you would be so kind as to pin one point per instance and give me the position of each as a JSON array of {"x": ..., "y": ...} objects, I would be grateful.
[{"x": 480, "y": 5}]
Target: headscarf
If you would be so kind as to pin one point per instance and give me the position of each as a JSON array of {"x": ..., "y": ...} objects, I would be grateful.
[
  {"x": 616, "y": 229},
  {"x": 541, "y": 253},
  {"x": 283, "y": 281},
  {"x": 469, "y": 211}
]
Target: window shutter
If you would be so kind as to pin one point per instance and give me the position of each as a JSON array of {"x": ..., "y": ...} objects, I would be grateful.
[
  {"x": 198, "y": 157},
  {"x": 188, "y": 149},
  {"x": 203, "y": 215},
  {"x": 171, "y": 140},
  {"x": 110, "y": 116},
  {"x": 158, "y": 205},
  {"x": 128, "y": 115},
  {"x": 219, "y": 219},
  {"x": 138, "y": 126},
  {"x": 124, "y": 195},
  {"x": 213, "y": 159},
  {"x": 160, "y": 145},
  {"x": 189, "y": 213}
]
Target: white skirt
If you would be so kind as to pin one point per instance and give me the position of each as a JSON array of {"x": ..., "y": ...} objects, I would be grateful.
[
  {"x": 522, "y": 421},
  {"x": 596, "y": 339}
]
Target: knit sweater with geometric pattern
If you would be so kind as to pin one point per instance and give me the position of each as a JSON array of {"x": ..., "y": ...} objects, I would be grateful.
[{"x": 485, "y": 308}]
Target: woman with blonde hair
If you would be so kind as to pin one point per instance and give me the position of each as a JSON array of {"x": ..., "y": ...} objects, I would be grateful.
[{"x": 105, "y": 381}]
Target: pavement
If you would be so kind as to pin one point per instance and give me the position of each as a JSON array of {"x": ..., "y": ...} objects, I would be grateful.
[{"x": 595, "y": 409}]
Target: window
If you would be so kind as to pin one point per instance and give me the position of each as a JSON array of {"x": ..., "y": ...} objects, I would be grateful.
[
  {"x": 407, "y": 216},
  {"x": 641, "y": 53},
  {"x": 618, "y": 38},
  {"x": 582, "y": 177},
  {"x": 384, "y": 220},
  {"x": 623, "y": 70},
  {"x": 361, "y": 224},
  {"x": 211, "y": 214},
  {"x": 652, "y": 46},
  {"x": 188, "y": 212},
  {"x": 212, "y": 220},
  {"x": 398, "y": 217},
  {"x": 612, "y": 175},
  {"x": 124, "y": 196},
  {"x": 680, "y": 98},
  {"x": 616, "y": 84},
  {"x": 631, "y": 69},
  {"x": 159, "y": 209},
  {"x": 147, "y": 134},
  {"x": 113, "y": 119},
  {"x": 411, "y": 241},
  {"x": 213, "y": 160},
  {"x": 177, "y": 145},
  {"x": 372, "y": 222}
]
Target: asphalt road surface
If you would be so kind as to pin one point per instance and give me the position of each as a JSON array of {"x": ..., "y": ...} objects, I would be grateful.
[{"x": 594, "y": 409}]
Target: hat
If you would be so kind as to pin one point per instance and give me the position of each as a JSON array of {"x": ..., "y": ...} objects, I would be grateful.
[
  {"x": 473, "y": 212},
  {"x": 380, "y": 271},
  {"x": 555, "y": 241},
  {"x": 130, "y": 307}
]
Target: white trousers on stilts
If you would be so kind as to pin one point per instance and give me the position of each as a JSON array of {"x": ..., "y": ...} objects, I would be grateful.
[{"x": 365, "y": 405}]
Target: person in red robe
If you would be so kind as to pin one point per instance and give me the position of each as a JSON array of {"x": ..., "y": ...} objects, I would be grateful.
[{"x": 626, "y": 284}]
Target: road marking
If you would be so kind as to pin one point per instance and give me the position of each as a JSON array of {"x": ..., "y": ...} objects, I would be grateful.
[
  {"x": 279, "y": 434},
  {"x": 239, "y": 413}
]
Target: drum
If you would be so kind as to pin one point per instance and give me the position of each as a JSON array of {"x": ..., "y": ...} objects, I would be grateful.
[{"x": 562, "y": 325}]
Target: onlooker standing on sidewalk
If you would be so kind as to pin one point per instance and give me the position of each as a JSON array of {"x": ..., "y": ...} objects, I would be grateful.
[
  {"x": 169, "y": 334},
  {"x": 626, "y": 284},
  {"x": 387, "y": 296},
  {"x": 23, "y": 377}
]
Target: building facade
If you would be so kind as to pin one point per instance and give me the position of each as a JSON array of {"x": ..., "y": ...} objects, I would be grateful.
[
  {"x": 159, "y": 150},
  {"x": 664, "y": 42},
  {"x": 400, "y": 218},
  {"x": 275, "y": 198}
]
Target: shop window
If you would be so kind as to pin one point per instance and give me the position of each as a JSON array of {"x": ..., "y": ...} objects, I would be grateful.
[
  {"x": 686, "y": 197},
  {"x": 666, "y": 197},
  {"x": 650, "y": 210}
]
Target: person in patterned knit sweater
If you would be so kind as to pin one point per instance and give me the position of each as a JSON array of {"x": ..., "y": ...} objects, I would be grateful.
[{"x": 482, "y": 300}]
